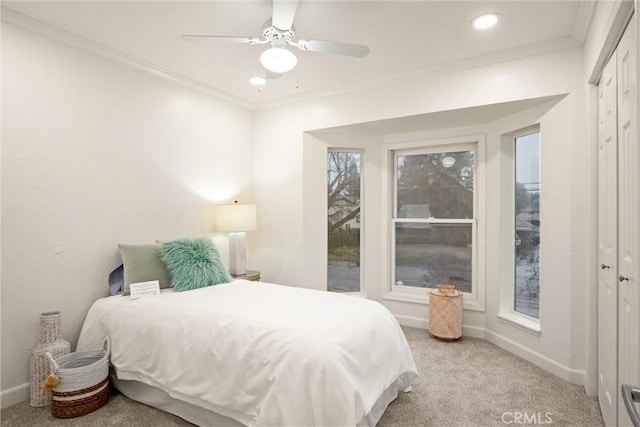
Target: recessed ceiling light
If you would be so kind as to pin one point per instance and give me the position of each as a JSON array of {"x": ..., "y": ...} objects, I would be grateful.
[
  {"x": 485, "y": 21},
  {"x": 257, "y": 81}
]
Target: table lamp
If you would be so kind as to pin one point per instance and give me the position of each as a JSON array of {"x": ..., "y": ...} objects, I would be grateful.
[{"x": 236, "y": 219}]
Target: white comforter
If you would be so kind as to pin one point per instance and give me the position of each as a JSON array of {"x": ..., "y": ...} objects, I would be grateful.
[{"x": 259, "y": 353}]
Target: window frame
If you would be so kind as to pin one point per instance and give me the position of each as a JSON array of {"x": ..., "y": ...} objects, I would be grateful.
[
  {"x": 361, "y": 152},
  {"x": 475, "y": 143},
  {"x": 507, "y": 310}
]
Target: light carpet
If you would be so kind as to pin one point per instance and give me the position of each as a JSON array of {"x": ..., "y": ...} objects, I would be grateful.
[{"x": 468, "y": 382}]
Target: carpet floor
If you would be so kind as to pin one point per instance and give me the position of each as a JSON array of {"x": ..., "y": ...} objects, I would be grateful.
[{"x": 468, "y": 382}]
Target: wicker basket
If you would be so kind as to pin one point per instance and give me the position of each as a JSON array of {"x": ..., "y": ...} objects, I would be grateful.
[
  {"x": 83, "y": 383},
  {"x": 445, "y": 312}
]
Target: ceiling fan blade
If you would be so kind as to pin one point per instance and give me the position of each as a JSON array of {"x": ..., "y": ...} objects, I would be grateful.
[
  {"x": 338, "y": 48},
  {"x": 283, "y": 13},
  {"x": 247, "y": 40}
]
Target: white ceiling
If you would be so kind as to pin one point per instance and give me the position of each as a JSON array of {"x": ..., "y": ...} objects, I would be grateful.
[{"x": 406, "y": 38}]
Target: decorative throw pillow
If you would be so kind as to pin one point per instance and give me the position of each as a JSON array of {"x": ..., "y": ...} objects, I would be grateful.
[
  {"x": 143, "y": 263},
  {"x": 193, "y": 263}
]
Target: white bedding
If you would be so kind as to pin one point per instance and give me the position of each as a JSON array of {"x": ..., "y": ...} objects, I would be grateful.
[{"x": 258, "y": 353}]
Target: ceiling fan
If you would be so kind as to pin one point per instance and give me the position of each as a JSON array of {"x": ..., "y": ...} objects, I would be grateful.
[{"x": 278, "y": 33}]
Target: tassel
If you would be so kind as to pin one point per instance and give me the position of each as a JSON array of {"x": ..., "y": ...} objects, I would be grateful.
[{"x": 50, "y": 383}]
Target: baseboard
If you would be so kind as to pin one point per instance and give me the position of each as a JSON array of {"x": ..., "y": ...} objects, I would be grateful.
[
  {"x": 574, "y": 376},
  {"x": 418, "y": 322},
  {"x": 473, "y": 331},
  {"x": 578, "y": 376},
  {"x": 14, "y": 395},
  {"x": 414, "y": 322}
]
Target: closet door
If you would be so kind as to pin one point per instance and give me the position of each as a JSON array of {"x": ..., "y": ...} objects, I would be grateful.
[
  {"x": 618, "y": 230},
  {"x": 607, "y": 245},
  {"x": 628, "y": 163}
]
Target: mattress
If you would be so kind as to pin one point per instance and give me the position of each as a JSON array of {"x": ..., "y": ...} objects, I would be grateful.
[{"x": 258, "y": 353}]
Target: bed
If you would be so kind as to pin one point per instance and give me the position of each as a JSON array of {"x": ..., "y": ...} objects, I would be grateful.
[{"x": 255, "y": 354}]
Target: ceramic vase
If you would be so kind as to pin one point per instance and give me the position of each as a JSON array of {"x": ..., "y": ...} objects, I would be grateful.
[{"x": 50, "y": 341}]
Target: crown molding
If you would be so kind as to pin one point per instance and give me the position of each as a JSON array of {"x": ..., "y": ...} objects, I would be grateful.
[
  {"x": 448, "y": 67},
  {"x": 11, "y": 17},
  {"x": 617, "y": 21},
  {"x": 586, "y": 8}
]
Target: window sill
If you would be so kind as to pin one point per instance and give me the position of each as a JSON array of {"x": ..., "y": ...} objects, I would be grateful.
[
  {"x": 355, "y": 294},
  {"x": 423, "y": 299},
  {"x": 524, "y": 323},
  {"x": 406, "y": 297},
  {"x": 350, "y": 294}
]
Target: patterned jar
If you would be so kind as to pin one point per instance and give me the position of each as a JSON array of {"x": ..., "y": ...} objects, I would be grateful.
[
  {"x": 50, "y": 341},
  {"x": 445, "y": 312}
]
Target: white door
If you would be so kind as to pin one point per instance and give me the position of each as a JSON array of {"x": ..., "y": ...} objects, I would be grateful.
[
  {"x": 607, "y": 245},
  {"x": 628, "y": 163}
]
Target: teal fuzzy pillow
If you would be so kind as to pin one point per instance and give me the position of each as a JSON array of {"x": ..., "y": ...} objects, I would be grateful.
[{"x": 193, "y": 263}]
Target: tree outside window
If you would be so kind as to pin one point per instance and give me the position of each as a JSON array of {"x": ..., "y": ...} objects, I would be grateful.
[
  {"x": 344, "y": 220},
  {"x": 434, "y": 219}
]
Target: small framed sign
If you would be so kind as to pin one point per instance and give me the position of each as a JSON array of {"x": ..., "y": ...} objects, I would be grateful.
[{"x": 144, "y": 289}]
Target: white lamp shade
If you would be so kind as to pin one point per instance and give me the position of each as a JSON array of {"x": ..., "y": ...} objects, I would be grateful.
[
  {"x": 233, "y": 218},
  {"x": 278, "y": 59}
]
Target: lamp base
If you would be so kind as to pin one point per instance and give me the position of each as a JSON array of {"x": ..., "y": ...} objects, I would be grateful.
[{"x": 237, "y": 254}]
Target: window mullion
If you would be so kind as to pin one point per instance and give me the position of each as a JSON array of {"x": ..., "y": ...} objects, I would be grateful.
[{"x": 435, "y": 220}]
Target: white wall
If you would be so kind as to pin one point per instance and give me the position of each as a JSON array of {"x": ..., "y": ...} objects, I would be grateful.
[
  {"x": 291, "y": 247},
  {"x": 93, "y": 154},
  {"x": 560, "y": 346}
]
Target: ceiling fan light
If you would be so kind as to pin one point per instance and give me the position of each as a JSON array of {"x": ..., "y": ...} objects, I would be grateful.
[{"x": 278, "y": 59}]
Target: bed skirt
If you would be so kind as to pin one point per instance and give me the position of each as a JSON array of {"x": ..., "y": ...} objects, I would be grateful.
[{"x": 159, "y": 399}]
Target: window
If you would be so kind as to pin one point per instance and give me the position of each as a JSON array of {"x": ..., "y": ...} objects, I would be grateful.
[
  {"x": 344, "y": 220},
  {"x": 433, "y": 222},
  {"x": 527, "y": 224}
]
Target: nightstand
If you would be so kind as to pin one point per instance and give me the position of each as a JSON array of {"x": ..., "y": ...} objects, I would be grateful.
[{"x": 251, "y": 275}]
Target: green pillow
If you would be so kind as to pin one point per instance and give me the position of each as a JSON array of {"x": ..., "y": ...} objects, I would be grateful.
[
  {"x": 193, "y": 263},
  {"x": 143, "y": 263}
]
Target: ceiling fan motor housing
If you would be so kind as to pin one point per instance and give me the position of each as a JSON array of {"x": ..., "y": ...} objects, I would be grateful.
[{"x": 275, "y": 35}]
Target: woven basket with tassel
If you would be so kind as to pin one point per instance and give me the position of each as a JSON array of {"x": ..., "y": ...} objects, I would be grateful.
[{"x": 79, "y": 382}]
